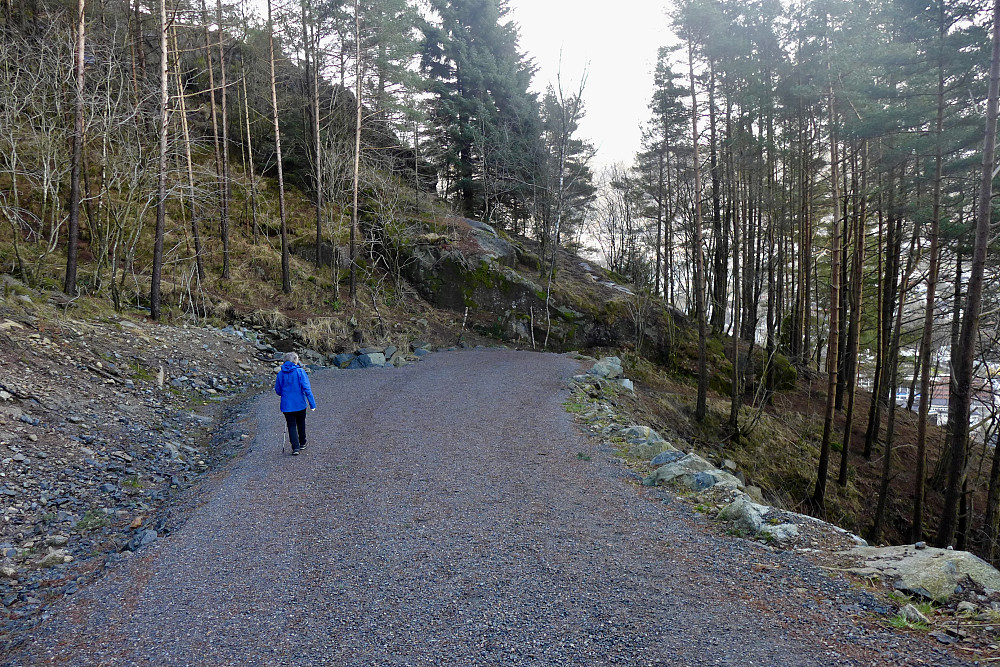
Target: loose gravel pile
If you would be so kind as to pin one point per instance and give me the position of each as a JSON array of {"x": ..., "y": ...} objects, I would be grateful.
[{"x": 451, "y": 513}]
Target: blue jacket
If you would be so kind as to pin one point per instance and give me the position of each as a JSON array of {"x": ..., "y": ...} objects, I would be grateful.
[{"x": 292, "y": 384}]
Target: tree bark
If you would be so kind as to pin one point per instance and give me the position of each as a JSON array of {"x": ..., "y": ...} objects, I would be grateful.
[
  {"x": 833, "y": 345},
  {"x": 920, "y": 473},
  {"x": 69, "y": 286},
  {"x": 286, "y": 276},
  {"x": 225, "y": 190},
  {"x": 701, "y": 407},
  {"x": 357, "y": 151},
  {"x": 161, "y": 190},
  {"x": 961, "y": 385}
]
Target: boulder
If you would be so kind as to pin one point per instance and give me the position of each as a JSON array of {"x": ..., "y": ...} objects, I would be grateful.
[
  {"x": 913, "y": 615},
  {"x": 745, "y": 514},
  {"x": 783, "y": 532},
  {"x": 688, "y": 465},
  {"x": 667, "y": 456},
  {"x": 640, "y": 435},
  {"x": 54, "y": 557},
  {"x": 929, "y": 572},
  {"x": 608, "y": 367},
  {"x": 371, "y": 360},
  {"x": 343, "y": 360},
  {"x": 707, "y": 479}
]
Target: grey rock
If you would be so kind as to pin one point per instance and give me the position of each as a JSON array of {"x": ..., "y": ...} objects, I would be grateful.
[
  {"x": 667, "y": 456},
  {"x": 640, "y": 435},
  {"x": 783, "y": 532},
  {"x": 420, "y": 345},
  {"x": 688, "y": 465},
  {"x": 421, "y": 352},
  {"x": 933, "y": 573},
  {"x": 52, "y": 558},
  {"x": 913, "y": 615},
  {"x": 56, "y": 540},
  {"x": 608, "y": 367},
  {"x": 343, "y": 360},
  {"x": 745, "y": 514},
  {"x": 371, "y": 360},
  {"x": 966, "y": 607}
]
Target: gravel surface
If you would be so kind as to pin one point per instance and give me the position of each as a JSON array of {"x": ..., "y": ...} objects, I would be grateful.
[{"x": 446, "y": 513}]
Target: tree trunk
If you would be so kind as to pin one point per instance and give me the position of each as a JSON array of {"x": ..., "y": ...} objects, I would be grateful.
[
  {"x": 225, "y": 191},
  {"x": 833, "y": 346},
  {"x": 195, "y": 231},
  {"x": 69, "y": 286},
  {"x": 892, "y": 366},
  {"x": 919, "y": 475},
  {"x": 961, "y": 385},
  {"x": 286, "y": 276},
  {"x": 701, "y": 407},
  {"x": 357, "y": 151},
  {"x": 161, "y": 191},
  {"x": 215, "y": 113},
  {"x": 854, "y": 334}
]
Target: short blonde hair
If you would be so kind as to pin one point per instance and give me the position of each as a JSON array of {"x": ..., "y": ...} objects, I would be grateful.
[{"x": 292, "y": 357}]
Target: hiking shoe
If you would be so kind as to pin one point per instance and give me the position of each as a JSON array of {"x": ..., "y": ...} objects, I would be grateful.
[
  {"x": 295, "y": 452},
  {"x": 302, "y": 446}
]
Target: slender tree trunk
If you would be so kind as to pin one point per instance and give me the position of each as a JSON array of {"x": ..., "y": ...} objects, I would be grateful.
[
  {"x": 892, "y": 365},
  {"x": 917, "y": 527},
  {"x": 161, "y": 190},
  {"x": 719, "y": 229},
  {"x": 357, "y": 151},
  {"x": 701, "y": 407},
  {"x": 209, "y": 63},
  {"x": 737, "y": 393},
  {"x": 195, "y": 231},
  {"x": 854, "y": 334},
  {"x": 941, "y": 469},
  {"x": 286, "y": 275},
  {"x": 317, "y": 139},
  {"x": 961, "y": 385},
  {"x": 248, "y": 152},
  {"x": 69, "y": 287},
  {"x": 833, "y": 346},
  {"x": 225, "y": 190}
]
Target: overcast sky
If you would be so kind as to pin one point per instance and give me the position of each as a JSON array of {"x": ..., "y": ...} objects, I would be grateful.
[{"x": 619, "y": 40}]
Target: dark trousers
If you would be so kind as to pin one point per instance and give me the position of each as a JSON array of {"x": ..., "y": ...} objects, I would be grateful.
[{"x": 296, "y": 428}]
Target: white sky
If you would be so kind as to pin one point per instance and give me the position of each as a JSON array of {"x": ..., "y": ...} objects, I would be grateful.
[{"x": 619, "y": 40}]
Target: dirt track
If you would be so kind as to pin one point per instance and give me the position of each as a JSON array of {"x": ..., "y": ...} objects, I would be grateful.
[{"x": 441, "y": 516}]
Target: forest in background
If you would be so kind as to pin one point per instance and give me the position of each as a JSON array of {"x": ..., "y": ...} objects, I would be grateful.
[{"x": 811, "y": 181}]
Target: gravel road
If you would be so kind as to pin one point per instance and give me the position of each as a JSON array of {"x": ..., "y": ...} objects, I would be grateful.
[{"x": 442, "y": 516}]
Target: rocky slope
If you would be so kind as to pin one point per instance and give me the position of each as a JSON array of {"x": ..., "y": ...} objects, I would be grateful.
[
  {"x": 102, "y": 422},
  {"x": 959, "y": 593}
]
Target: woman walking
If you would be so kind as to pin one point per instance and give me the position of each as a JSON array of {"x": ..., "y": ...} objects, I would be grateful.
[{"x": 292, "y": 385}]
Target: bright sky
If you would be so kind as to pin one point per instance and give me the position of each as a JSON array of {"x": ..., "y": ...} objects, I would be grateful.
[{"x": 619, "y": 40}]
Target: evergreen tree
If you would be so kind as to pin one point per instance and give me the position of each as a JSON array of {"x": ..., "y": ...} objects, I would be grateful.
[{"x": 484, "y": 119}]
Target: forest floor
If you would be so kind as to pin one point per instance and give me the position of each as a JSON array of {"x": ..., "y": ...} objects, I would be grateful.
[{"x": 452, "y": 512}]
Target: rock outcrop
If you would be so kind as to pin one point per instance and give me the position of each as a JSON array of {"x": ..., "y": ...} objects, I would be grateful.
[{"x": 936, "y": 574}]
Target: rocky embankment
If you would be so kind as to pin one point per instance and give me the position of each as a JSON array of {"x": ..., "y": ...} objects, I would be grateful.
[
  {"x": 100, "y": 424},
  {"x": 959, "y": 593}
]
